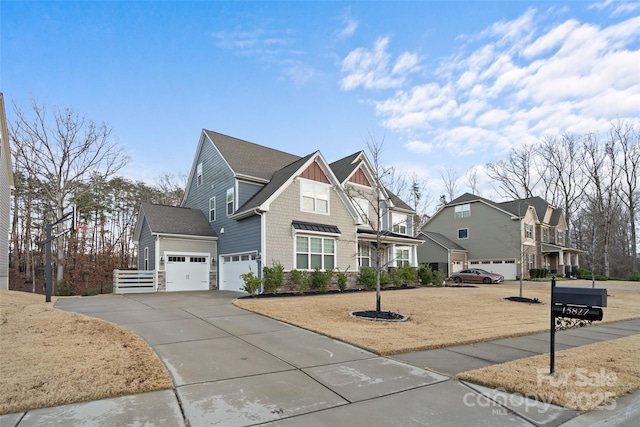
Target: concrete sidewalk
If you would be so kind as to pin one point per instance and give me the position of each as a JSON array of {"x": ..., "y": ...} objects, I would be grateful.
[{"x": 232, "y": 367}]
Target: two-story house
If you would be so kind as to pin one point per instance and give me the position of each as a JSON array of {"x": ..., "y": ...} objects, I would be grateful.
[
  {"x": 6, "y": 185},
  {"x": 266, "y": 206},
  {"x": 508, "y": 238}
]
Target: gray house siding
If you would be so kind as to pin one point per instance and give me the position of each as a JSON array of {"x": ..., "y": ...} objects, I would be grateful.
[
  {"x": 147, "y": 240},
  {"x": 491, "y": 233},
  {"x": 244, "y": 236},
  {"x": 233, "y": 236},
  {"x": 431, "y": 252}
]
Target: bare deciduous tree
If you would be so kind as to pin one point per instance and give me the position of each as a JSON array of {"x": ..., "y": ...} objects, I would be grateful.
[
  {"x": 627, "y": 137},
  {"x": 515, "y": 175},
  {"x": 61, "y": 148},
  {"x": 563, "y": 177},
  {"x": 450, "y": 181}
]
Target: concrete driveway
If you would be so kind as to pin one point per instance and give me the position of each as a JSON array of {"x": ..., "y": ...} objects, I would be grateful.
[{"x": 231, "y": 367}]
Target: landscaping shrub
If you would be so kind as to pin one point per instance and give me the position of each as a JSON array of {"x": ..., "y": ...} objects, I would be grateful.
[
  {"x": 343, "y": 279},
  {"x": 439, "y": 278},
  {"x": 273, "y": 277},
  {"x": 367, "y": 278},
  {"x": 634, "y": 276},
  {"x": 320, "y": 279},
  {"x": 538, "y": 273},
  {"x": 385, "y": 278},
  {"x": 600, "y": 277},
  {"x": 300, "y": 280},
  {"x": 251, "y": 283},
  {"x": 583, "y": 273},
  {"x": 425, "y": 274},
  {"x": 404, "y": 275},
  {"x": 63, "y": 290}
]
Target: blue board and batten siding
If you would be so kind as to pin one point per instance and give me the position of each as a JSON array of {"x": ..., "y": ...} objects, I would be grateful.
[
  {"x": 238, "y": 236},
  {"x": 146, "y": 240}
]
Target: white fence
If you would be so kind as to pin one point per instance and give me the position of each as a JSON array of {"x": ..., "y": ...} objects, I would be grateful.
[{"x": 133, "y": 281}]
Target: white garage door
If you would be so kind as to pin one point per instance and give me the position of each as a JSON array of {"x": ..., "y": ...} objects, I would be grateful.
[
  {"x": 505, "y": 267},
  {"x": 233, "y": 266},
  {"x": 187, "y": 272}
]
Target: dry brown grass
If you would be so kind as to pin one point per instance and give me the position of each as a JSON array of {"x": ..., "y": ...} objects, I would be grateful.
[
  {"x": 606, "y": 370},
  {"x": 438, "y": 317},
  {"x": 49, "y": 357}
]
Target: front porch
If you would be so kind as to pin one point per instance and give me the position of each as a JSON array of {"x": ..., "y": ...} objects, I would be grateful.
[{"x": 560, "y": 260}]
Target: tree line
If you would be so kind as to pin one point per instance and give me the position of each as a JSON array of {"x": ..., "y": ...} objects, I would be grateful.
[
  {"x": 594, "y": 179},
  {"x": 62, "y": 158}
]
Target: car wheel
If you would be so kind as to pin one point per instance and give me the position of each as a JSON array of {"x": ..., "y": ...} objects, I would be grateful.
[
  {"x": 457, "y": 279},
  {"x": 486, "y": 280}
]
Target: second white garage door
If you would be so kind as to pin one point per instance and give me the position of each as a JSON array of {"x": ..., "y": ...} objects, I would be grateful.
[
  {"x": 187, "y": 272},
  {"x": 233, "y": 266}
]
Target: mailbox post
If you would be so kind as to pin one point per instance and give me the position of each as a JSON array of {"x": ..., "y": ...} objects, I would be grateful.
[{"x": 573, "y": 308}]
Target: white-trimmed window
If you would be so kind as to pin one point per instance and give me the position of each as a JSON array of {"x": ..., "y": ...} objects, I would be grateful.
[
  {"x": 364, "y": 256},
  {"x": 315, "y": 252},
  {"x": 402, "y": 257},
  {"x": 212, "y": 209},
  {"x": 528, "y": 231},
  {"x": 146, "y": 258},
  {"x": 400, "y": 223},
  {"x": 530, "y": 261},
  {"x": 362, "y": 206},
  {"x": 463, "y": 233},
  {"x": 314, "y": 196},
  {"x": 199, "y": 174},
  {"x": 545, "y": 235},
  {"x": 230, "y": 200},
  {"x": 462, "y": 211},
  {"x": 560, "y": 238}
]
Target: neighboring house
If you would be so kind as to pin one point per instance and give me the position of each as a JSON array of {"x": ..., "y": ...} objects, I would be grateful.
[
  {"x": 267, "y": 206},
  {"x": 6, "y": 185},
  {"x": 471, "y": 231},
  {"x": 178, "y": 245}
]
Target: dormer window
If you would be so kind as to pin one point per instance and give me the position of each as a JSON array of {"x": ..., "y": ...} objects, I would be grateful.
[
  {"x": 314, "y": 197},
  {"x": 400, "y": 223}
]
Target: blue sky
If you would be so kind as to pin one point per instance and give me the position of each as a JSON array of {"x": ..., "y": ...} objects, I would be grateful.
[{"x": 448, "y": 84}]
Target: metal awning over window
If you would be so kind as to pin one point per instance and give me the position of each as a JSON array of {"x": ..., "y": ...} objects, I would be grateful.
[{"x": 318, "y": 228}]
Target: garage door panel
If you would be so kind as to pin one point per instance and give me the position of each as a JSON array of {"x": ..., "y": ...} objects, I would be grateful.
[
  {"x": 505, "y": 267},
  {"x": 234, "y": 266},
  {"x": 187, "y": 272}
]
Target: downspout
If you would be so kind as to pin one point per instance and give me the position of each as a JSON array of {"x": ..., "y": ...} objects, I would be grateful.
[
  {"x": 156, "y": 262},
  {"x": 261, "y": 254}
]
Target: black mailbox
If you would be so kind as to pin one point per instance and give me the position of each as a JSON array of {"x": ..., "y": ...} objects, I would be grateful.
[{"x": 590, "y": 297}]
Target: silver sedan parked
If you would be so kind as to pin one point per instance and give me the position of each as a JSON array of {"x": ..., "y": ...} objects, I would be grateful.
[{"x": 476, "y": 275}]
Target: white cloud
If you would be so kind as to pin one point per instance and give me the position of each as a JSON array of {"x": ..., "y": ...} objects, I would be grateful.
[
  {"x": 419, "y": 147},
  {"x": 374, "y": 68},
  {"x": 349, "y": 29},
  {"x": 523, "y": 79}
]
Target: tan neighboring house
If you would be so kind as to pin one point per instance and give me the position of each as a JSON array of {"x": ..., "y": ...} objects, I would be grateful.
[
  {"x": 266, "y": 206},
  {"x": 6, "y": 186},
  {"x": 508, "y": 238}
]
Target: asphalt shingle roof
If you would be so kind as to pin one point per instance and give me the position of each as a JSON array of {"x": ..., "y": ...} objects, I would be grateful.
[
  {"x": 249, "y": 159},
  {"x": 344, "y": 167},
  {"x": 443, "y": 241},
  {"x": 164, "y": 219}
]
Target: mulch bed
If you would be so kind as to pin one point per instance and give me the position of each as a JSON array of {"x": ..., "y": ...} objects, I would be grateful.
[
  {"x": 384, "y": 316},
  {"x": 525, "y": 300}
]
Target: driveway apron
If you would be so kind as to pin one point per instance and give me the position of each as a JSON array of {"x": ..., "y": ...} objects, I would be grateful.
[{"x": 231, "y": 367}]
